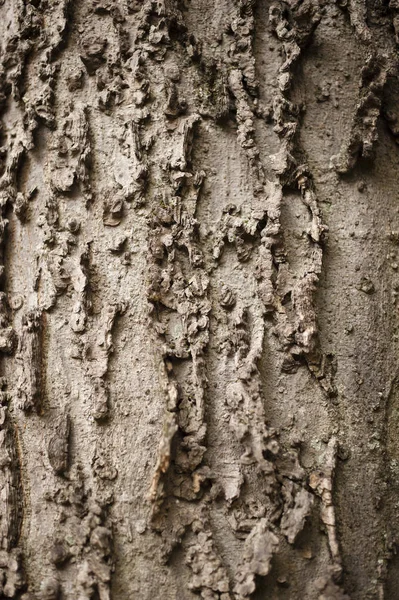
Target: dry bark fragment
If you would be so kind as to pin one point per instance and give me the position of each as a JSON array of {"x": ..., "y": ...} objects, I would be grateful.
[
  {"x": 30, "y": 357},
  {"x": 322, "y": 483},
  {"x": 297, "y": 507},
  {"x": 260, "y": 546},
  {"x": 58, "y": 447}
]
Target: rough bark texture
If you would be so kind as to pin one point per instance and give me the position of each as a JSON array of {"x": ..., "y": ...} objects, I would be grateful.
[{"x": 199, "y": 393}]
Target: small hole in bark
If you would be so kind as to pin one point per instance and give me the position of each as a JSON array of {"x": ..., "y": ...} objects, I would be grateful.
[
  {"x": 268, "y": 455},
  {"x": 287, "y": 298},
  {"x": 262, "y": 224}
]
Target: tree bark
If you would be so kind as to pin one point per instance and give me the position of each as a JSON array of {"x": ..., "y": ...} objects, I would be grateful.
[{"x": 199, "y": 326}]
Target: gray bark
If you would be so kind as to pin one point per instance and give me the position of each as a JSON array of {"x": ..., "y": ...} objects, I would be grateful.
[{"x": 199, "y": 283}]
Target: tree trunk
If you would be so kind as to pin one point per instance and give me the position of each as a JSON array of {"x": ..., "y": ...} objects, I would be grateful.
[{"x": 199, "y": 328}]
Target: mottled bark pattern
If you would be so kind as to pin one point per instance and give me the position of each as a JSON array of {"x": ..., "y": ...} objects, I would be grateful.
[{"x": 199, "y": 283}]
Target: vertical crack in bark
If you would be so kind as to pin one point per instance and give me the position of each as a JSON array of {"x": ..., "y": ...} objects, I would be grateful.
[
  {"x": 31, "y": 386},
  {"x": 294, "y": 37},
  {"x": 180, "y": 285},
  {"x": 381, "y": 63},
  {"x": 11, "y": 504},
  {"x": 363, "y": 133},
  {"x": 301, "y": 337}
]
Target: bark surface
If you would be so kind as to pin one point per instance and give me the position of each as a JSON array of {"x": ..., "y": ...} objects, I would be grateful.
[{"x": 199, "y": 392}]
